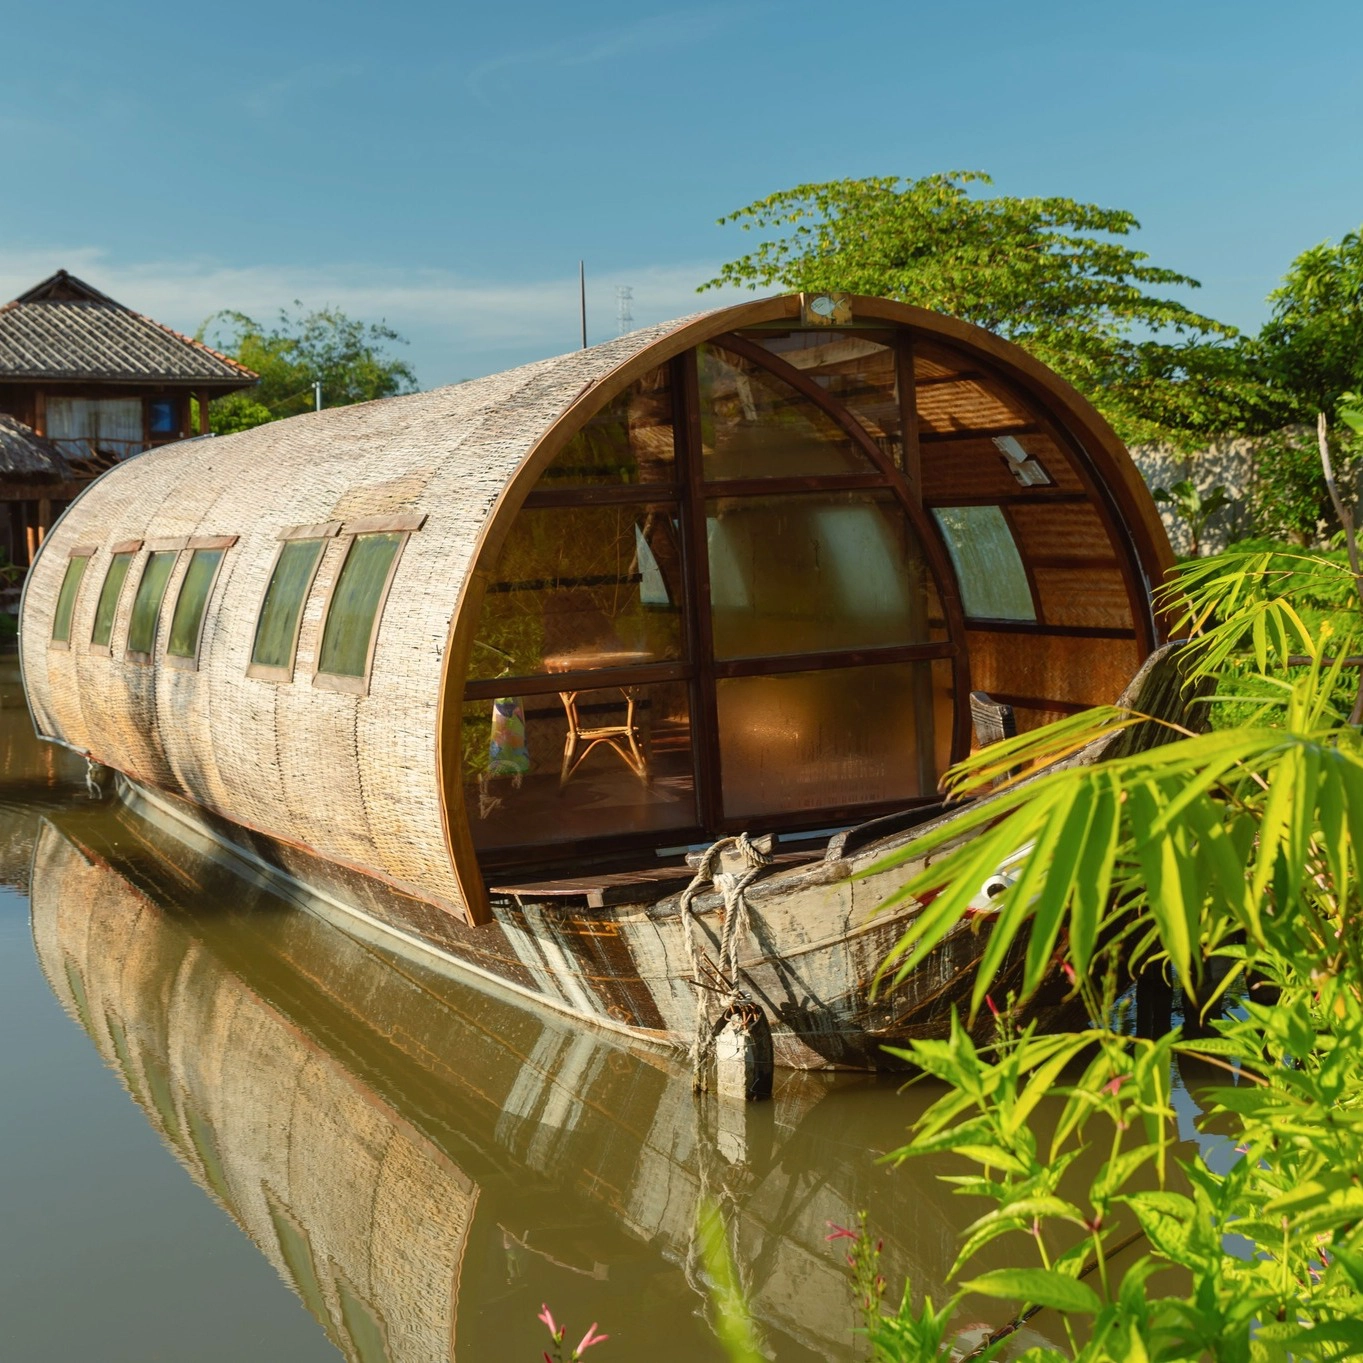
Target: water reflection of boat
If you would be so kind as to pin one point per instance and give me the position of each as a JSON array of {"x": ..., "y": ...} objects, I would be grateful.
[
  {"x": 510, "y": 648},
  {"x": 424, "y": 1165}
]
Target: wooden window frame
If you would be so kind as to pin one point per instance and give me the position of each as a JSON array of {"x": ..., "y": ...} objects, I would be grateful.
[
  {"x": 323, "y": 533},
  {"x": 87, "y": 552},
  {"x": 132, "y": 548},
  {"x": 153, "y": 547},
  {"x": 699, "y": 668},
  {"x": 223, "y": 542},
  {"x": 405, "y": 525}
]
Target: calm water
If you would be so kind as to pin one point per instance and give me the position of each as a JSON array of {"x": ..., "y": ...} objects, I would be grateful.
[{"x": 229, "y": 1131}]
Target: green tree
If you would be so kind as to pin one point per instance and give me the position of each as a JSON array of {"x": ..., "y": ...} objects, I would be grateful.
[
  {"x": 349, "y": 357},
  {"x": 1311, "y": 348},
  {"x": 1052, "y": 274}
]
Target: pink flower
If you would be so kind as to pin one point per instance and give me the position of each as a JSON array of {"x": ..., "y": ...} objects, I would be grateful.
[
  {"x": 590, "y": 1338},
  {"x": 840, "y": 1232},
  {"x": 1115, "y": 1083},
  {"x": 547, "y": 1317},
  {"x": 1069, "y": 972},
  {"x": 993, "y": 1007}
]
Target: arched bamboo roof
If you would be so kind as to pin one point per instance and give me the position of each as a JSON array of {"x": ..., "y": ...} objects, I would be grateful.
[{"x": 369, "y": 779}]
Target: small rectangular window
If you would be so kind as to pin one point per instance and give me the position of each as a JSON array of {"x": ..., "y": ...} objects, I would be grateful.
[
  {"x": 162, "y": 416},
  {"x": 147, "y": 603},
  {"x": 66, "y": 598},
  {"x": 186, "y": 623},
  {"x": 356, "y": 603},
  {"x": 108, "y": 601},
  {"x": 282, "y": 610},
  {"x": 988, "y": 566}
]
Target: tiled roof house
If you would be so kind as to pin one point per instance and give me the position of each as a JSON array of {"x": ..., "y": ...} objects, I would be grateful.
[{"x": 86, "y": 382}]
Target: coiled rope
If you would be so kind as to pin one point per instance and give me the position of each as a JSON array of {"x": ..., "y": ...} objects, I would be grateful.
[{"x": 725, "y": 992}]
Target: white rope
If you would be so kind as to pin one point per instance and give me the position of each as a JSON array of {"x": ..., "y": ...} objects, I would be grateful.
[{"x": 737, "y": 922}]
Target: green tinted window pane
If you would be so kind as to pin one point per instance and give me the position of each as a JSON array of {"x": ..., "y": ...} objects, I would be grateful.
[
  {"x": 277, "y": 629},
  {"x": 988, "y": 565},
  {"x": 813, "y": 574},
  {"x": 108, "y": 600},
  {"x": 66, "y": 598},
  {"x": 297, "y": 1251},
  {"x": 192, "y": 601},
  {"x": 363, "y": 1327},
  {"x": 351, "y": 617},
  {"x": 147, "y": 602},
  {"x": 754, "y": 425}
]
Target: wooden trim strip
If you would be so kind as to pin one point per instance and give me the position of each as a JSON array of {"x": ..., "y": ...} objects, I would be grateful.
[
  {"x": 1038, "y": 497},
  {"x": 212, "y": 541},
  {"x": 944, "y": 437},
  {"x": 640, "y": 493},
  {"x": 323, "y": 530},
  {"x": 1060, "y": 707},
  {"x": 83, "y": 551},
  {"x": 378, "y": 525},
  {"x": 172, "y": 545},
  {"x": 1060, "y": 631},
  {"x": 771, "y": 487},
  {"x": 125, "y": 547},
  {"x": 822, "y": 662},
  {"x": 551, "y": 683}
]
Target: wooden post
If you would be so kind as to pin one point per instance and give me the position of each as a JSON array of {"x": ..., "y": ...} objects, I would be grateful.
[
  {"x": 40, "y": 412},
  {"x": 203, "y": 413},
  {"x": 31, "y": 538}
]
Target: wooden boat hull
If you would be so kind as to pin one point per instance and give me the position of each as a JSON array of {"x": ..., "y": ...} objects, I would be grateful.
[{"x": 818, "y": 935}]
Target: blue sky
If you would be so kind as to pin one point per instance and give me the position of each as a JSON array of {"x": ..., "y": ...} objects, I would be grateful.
[{"x": 444, "y": 167}]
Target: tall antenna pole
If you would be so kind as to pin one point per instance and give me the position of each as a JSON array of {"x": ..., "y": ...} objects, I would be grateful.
[{"x": 582, "y": 297}]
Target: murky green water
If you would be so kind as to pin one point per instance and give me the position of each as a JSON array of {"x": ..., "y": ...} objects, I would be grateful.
[{"x": 230, "y": 1131}]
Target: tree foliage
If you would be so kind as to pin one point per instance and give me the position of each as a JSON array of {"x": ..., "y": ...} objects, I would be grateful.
[
  {"x": 1053, "y": 274},
  {"x": 349, "y": 357},
  {"x": 1311, "y": 349}
]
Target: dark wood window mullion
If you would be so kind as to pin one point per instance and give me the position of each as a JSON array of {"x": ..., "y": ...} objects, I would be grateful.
[
  {"x": 696, "y": 567},
  {"x": 772, "y": 664},
  {"x": 593, "y": 679},
  {"x": 642, "y": 494},
  {"x": 939, "y": 564},
  {"x": 906, "y": 374}
]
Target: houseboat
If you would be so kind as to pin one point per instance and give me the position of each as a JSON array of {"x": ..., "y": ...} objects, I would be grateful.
[{"x": 482, "y": 665}]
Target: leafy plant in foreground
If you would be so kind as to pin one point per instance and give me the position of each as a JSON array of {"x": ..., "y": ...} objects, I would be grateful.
[{"x": 1232, "y": 859}]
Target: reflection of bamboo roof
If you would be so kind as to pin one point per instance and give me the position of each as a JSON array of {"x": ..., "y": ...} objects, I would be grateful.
[{"x": 371, "y": 779}]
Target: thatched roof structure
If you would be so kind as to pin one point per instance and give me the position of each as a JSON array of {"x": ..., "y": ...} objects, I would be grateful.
[
  {"x": 64, "y": 329},
  {"x": 944, "y": 434},
  {"x": 28, "y": 456}
]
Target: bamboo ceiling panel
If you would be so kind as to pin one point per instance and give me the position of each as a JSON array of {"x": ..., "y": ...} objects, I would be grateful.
[
  {"x": 1094, "y": 598},
  {"x": 1076, "y": 671},
  {"x": 978, "y": 468},
  {"x": 1061, "y": 530},
  {"x": 967, "y": 405}
]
